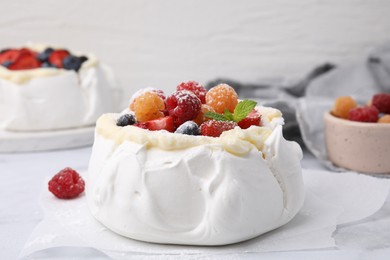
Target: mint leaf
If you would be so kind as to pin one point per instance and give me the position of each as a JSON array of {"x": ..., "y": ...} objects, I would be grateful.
[
  {"x": 216, "y": 116},
  {"x": 228, "y": 115},
  {"x": 242, "y": 109}
]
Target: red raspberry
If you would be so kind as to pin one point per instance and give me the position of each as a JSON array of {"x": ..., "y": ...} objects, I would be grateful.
[
  {"x": 66, "y": 184},
  {"x": 364, "y": 114},
  {"x": 253, "y": 118},
  {"x": 215, "y": 128},
  {"x": 195, "y": 88},
  {"x": 382, "y": 102},
  {"x": 183, "y": 106}
]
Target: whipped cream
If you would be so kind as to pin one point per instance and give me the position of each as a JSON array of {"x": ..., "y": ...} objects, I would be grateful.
[
  {"x": 172, "y": 188},
  {"x": 49, "y": 99}
]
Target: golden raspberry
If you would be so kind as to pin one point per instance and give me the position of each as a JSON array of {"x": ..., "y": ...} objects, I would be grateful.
[
  {"x": 203, "y": 110},
  {"x": 342, "y": 106},
  {"x": 222, "y": 97},
  {"x": 148, "y": 106},
  {"x": 384, "y": 119}
]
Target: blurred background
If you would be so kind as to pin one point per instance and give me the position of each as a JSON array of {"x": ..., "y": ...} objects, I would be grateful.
[{"x": 161, "y": 43}]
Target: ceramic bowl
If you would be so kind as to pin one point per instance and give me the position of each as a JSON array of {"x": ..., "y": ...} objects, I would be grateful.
[{"x": 357, "y": 146}]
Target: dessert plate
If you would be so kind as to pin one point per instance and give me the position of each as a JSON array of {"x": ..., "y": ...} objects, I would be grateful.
[{"x": 45, "y": 140}]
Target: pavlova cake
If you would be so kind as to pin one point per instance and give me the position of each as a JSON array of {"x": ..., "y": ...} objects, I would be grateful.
[
  {"x": 196, "y": 167},
  {"x": 45, "y": 88}
]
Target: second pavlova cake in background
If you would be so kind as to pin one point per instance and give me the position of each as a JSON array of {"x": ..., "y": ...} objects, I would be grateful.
[
  {"x": 196, "y": 167},
  {"x": 45, "y": 88}
]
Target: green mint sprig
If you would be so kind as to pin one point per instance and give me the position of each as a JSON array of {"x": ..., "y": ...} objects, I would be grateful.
[{"x": 242, "y": 109}]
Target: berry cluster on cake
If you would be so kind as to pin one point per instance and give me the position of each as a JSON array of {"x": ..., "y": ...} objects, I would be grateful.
[
  {"x": 45, "y": 88},
  {"x": 195, "y": 167}
]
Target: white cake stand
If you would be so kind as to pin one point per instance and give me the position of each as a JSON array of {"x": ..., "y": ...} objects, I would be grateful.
[{"x": 45, "y": 140}]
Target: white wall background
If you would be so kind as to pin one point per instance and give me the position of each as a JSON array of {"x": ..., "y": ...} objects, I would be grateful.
[{"x": 160, "y": 43}]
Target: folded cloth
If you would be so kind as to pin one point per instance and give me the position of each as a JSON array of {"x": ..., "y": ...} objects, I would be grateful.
[{"x": 304, "y": 102}]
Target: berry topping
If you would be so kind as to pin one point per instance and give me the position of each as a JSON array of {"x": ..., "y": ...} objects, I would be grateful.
[
  {"x": 195, "y": 88},
  {"x": 66, "y": 184},
  {"x": 188, "y": 128},
  {"x": 222, "y": 97},
  {"x": 148, "y": 106},
  {"x": 6, "y": 63},
  {"x": 48, "y": 65},
  {"x": 215, "y": 128},
  {"x": 240, "y": 112},
  {"x": 44, "y": 56},
  {"x": 56, "y": 57},
  {"x": 25, "y": 60},
  {"x": 342, "y": 106},
  {"x": 142, "y": 91},
  {"x": 364, "y": 114},
  {"x": 71, "y": 62},
  {"x": 183, "y": 106},
  {"x": 201, "y": 116},
  {"x": 164, "y": 123},
  {"x": 382, "y": 102},
  {"x": 253, "y": 118},
  {"x": 126, "y": 119},
  {"x": 9, "y": 55},
  {"x": 384, "y": 119}
]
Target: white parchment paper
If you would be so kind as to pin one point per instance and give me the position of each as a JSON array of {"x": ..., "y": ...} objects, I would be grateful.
[{"x": 332, "y": 199}]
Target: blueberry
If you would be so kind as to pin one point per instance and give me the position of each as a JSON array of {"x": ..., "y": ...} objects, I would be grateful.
[
  {"x": 44, "y": 56},
  {"x": 83, "y": 58},
  {"x": 72, "y": 62},
  {"x": 126, "y": 119},
  {"x": 188, "y": 128},
  {"x": 48, "y": 65},
  {"x": 7, "y": 63}
]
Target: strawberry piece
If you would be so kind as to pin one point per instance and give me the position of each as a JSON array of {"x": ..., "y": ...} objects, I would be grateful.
[
  {"x": 215, "y": 128},
  {"x": 9, "y": 55},
  {"x": 253, "y": 118},
  {"x": 57, "y": 56},
  {"x": 25, "y": 60},
  {"x": 364, "y": 114},
  {"x": 183, "y": 106},
  {"x": 382, "y": 102},
  {"x": 164, "y": 123},
  {"x": 195, "y": 88}
]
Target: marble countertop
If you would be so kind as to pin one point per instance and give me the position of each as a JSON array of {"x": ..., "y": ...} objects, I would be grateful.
[{"x": 23, "y": 175}]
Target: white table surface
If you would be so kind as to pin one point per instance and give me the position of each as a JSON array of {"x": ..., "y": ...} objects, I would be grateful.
[{"x": 23, "y": 174}]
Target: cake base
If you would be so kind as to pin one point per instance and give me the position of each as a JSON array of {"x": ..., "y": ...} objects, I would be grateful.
[{"x": 45, "y": 140}]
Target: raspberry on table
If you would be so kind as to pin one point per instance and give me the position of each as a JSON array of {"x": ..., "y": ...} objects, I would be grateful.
[
  {"x": 222, "y": 97},
  {"x": 342, "y": 106},
  {"x": 195, "y": 88},
  {"x": 66, "y": 184},
  {"x": 382, "y": 102},
  {"x": 203, "y": 110},
  {"x": 253, "y": 118},
  {"x": 183, "y": 106},
  {"x": 384, "y": 119},
  {"x": 188, "y": 128},
  {"x": 148, "y": 106},
  {"x": 364, "y": 114},
  {"x": 215, "y": 128}
]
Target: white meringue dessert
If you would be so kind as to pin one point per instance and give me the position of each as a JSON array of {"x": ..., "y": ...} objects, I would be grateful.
[
  {"x": 172, "y": 188},
  {"x": 45, "y": 99}
]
